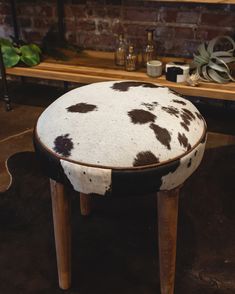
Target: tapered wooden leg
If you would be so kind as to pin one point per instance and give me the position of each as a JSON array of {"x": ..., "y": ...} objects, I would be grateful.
[
  {"x": 167, "y": 236},
  {"x": 85, "y": 204},
  {"x": 62, "y": 231}
]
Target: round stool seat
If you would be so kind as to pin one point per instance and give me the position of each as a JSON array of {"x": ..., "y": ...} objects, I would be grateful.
[{"x": 120, "y": 137}]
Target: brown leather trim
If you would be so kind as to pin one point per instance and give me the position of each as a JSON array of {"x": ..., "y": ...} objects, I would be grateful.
[{"x": 121, "y": 168}]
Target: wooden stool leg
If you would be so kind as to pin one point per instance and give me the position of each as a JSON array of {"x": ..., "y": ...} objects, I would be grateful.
[
  {"x": 167, "y": 237},
  {"x": 85, "y": 204},
  {"x": 62, "y": 231}
]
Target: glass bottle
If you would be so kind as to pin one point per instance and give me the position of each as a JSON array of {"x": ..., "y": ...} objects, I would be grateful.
[
  {"x": 131, "y": 59},
  {"x": 120, "y": 52},
  {"x": 149, "y": 50}
]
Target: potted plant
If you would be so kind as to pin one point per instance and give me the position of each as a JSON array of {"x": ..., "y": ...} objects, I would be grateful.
[{"x": 14, "y": 53}]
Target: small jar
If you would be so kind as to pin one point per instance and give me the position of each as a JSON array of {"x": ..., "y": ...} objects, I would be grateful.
[
  {"x": 120, "y": 52},
  {"x": 131, "y": 59}
]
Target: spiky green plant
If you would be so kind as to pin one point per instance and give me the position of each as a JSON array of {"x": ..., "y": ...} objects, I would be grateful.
[{"x": 212, "y": 65}]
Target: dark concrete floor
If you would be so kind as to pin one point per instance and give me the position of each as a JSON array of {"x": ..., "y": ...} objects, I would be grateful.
[{"x": 115, "y": 250}]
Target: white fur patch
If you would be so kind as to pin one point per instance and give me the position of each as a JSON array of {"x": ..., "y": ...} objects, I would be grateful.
[
  {"x": 106, "y": 136},
  {"x": 188, "y": 164},
  {"x": 87, "y": 180}
]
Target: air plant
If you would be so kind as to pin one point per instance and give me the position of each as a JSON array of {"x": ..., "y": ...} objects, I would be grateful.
[{"x": 211, "y": 64}]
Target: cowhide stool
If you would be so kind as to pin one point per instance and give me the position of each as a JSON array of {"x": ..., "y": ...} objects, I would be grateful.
[{"x": 120, "y": 138}]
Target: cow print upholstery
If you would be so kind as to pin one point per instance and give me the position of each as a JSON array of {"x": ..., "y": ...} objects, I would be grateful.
[{"x": 120, "y": 137}]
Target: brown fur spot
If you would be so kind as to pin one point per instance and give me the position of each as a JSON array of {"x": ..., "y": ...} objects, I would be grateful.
[
  {"x": 150, "y": 106},
  {"x": 184, "y": 141},
  {"x": 183, "y": 124},
  {"x": 189, "y": 163},
  {"x": 199, "y": 115},
  {"x": 203, "y": 139},
  {"x": 63, "y": 145},
  {"x": 82, "y": 108},
  {"x": 124, "y": 86},
  {"x": 140, "y": 116},
  {"x": 162, "y": 135},
  {"x": 187, "y": 116},
  {"x": 179, "y": 102},
  {"x": 171, "y": 110},
  {"x": 145, "y": 158},
  {"x": 189, "y": 113}
]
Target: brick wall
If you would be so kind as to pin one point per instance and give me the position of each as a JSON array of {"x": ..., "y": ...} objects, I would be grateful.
[{"x": 180, "y": 28}]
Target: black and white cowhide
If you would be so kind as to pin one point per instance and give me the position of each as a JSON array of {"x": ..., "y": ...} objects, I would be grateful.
[{"x": 100, "y": 131}]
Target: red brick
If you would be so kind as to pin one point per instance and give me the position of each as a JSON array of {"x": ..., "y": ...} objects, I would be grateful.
[
  {"x": 113, "y": 12},
  {"x": 2, "y": 19},
  {"x": 86, "y": 25},
  {"x": 164, "y": 32},
  {"x": 183, "y": 33},
  {"x": 168, "y": 15},
  {"x": 98, "y": 42},
  {"x": 220, "y": 19},
  {"x": 136, "y": 30},
  {"x": 70, "y": 23},
  {"x": 99, "y": 11},
  {"x": 117, "y": 27},
  {"x": 190, "y": 17},
  {"x": 24, "y": 22},
  {"x": 4, "y": 9},
  {"x": 25, "y": 10},
  {"x": 75, "y": 10},
  {"x": 44, "y": 10},
  {"x": 177, "y": 48},
  {"x": 8, "y": 20},
  {"x": 139, "y": 14},
  {"x": 210, "y": 33},
  {"x": 32, "y": 36},
  {"x": 43, "y": 23},
  {"x": 103, "y": 26},
  {"x": 71, "y": 37}
]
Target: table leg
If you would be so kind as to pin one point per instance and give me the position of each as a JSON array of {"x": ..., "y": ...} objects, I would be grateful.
[
  {"x": 167, "y": 236},
  {"x": 85, "y": 204},
  {"x": 62, "y": 231}
]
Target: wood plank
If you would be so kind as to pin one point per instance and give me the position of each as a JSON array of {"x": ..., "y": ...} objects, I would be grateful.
[{"x": 94, "y": 66}]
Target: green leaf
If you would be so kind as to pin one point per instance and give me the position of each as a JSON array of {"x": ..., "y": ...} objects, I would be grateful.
[
  {"x": 205, "y": 73},
  {"x": 215, "y": 66},
  {"x": 211, "y": 45},
  {"x": 200, "y": 60},
  {"x": 36, "y": 48},
  {"x": 29, "y": 56},
  {"x": 10, "y": 57},
  {"x": 202, "y": 50},
  {"x": 217, "y": 78},
  {"x": 221, "y": 54},
  {"x": 227, "y": 59},
  {"x": 5, "y": 42}
]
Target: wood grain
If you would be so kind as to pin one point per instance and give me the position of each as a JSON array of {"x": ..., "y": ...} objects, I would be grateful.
[
  {"x": 85, "y": 204},
  {"x": 94, "y": 66},
  {"x": 62, "y": 231},
  {"x": 167, "y": 236}
]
